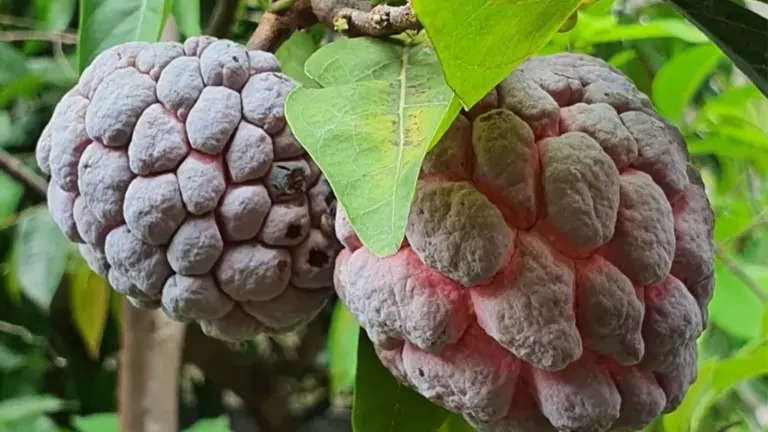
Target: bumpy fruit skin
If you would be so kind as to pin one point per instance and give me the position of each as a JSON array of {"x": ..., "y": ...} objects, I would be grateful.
[
  {"x": 557, "y": 264},
  {"x": 173, "y": 167}
]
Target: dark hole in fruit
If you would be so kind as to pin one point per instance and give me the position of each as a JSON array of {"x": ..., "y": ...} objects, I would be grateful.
[
  {"x": 317, "y": 258},
  {"x": 235, "y": 59},
  {"x": 421, "y": 372},
  {"x": 293, "y": 232}
]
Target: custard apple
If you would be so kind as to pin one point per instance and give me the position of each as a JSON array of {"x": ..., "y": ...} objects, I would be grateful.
[
  {"x": 557, "y": 264},
  {"x": 173, "y": 168}
]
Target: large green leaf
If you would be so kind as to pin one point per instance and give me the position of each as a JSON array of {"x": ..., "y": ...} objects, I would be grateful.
[
  {"x": 741, "y": 33},
  {"x": 89, "y": 303},
  {"x": 382, "y": 106},
  {"x": 382, "y": 404},
  {"x": 187, "y": 16},
  {"x": 681, "y": 77},
  {"x": 480, "y": 42},
  {"x": 734, "y": 307},
  {"x": 106, "y": 23},
  {"x": 40, "y": 256},
  {"x": 294, "y": 53},
  {"x": 342, "y": 349}
]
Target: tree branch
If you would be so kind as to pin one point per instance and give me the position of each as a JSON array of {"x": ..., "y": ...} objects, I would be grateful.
[
  {"x": 32, "y": 339},
  {"x": 358, "y": 18},
  {"x": 18, "y": 171},
  {"x": 278, "y": 23}
]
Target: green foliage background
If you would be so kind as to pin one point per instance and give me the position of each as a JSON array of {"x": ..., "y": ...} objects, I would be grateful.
[{"x": 59, "y": 322}]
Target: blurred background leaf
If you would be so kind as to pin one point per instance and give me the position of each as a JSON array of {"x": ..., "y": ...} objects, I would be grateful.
[
  {"x": 106, "y": 23},
  {"x": 89, "y": 297},
  {"x": 187, "y": 16},
  {"x": 342, "y": 349},
  {"x": 680, "y": 78},
  {"x": 40, "y": 255}
]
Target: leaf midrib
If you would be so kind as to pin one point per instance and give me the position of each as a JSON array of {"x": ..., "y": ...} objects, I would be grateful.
[{"x": 401, "y": 144}]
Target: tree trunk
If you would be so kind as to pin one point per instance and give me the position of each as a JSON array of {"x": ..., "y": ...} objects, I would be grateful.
[{"x": 150, "y": 359}]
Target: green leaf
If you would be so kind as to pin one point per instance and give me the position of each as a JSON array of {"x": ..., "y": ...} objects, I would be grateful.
[
  {"x": 13, "y": 61},
  {"x": 41, "y": 423},
  {"x": 593, "y": 30},
  {"x": 294, "y": 53},
  {"x": 744, "y": 134},
  {"x": 725, "y": 147},
  {"x": 187, "y": 16},
  {"x": 10, "y": 196},
  {"x": 764, "y": 326},
  {"x": 55, "y": 14},
  {"x": 735, "y": 217},
  {"x": 456, "y": 423},
  {"x": 738, "y": 31},
  {"x": 743, "y": 321},
  {"x": 89, "y": 303},
  {"x": 381, "y": 404},
  {"x": 679, "y": 420},
  {"x": 106, "y": 23},
  {"x": 736, "y": 104},
  {"x": 749, "y": 362},
  {"x": 383, "y": 105},
  {"x": 9, "y": 359},
  {"x": 741, "y": 368},
  {"x": 480, "y": 42},
  {"x": 101, "y": 422},
  {"x": 681, "y": 77},
  {"x": 22, "y": 407},
  {"x": 342, "y": 348},
  {"x": 220, "y": 424},
  {"x": 40, "y": 255},
  {"x": 599, "y": 7}
]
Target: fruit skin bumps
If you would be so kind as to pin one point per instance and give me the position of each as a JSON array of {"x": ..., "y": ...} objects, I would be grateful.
[
  {"x": 557, "y": 264},
  {"x": 172, "y": 166}
]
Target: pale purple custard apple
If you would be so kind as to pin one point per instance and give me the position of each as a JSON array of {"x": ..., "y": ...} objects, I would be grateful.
[
  {"x": 173, "y": 167},
  {"x": 558, "y": 259}
]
